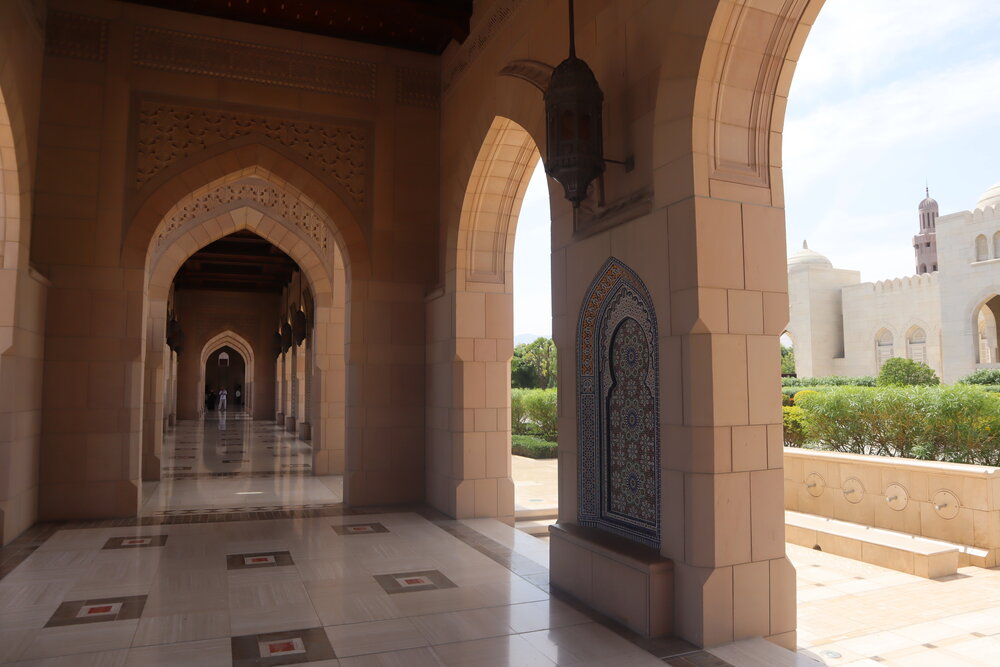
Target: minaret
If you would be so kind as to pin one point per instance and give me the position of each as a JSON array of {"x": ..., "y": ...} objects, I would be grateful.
[{"x": 925, "y": 243}]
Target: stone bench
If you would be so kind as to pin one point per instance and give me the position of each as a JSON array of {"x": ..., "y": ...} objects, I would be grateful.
[
  {"x": 897, "y": 551},
  {"x": 615, "y": 576}
]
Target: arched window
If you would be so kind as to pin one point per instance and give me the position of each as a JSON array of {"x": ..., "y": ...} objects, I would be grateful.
[
  {"x": 982, "y": 248},
  {"x": 916, "y": 344},
  {"x": 922, "y": 269},
  {"x": 996, "y": 245},
  {"x": 883, "y": 347},
  {"x": 984, "y": 343},
  {"x": 223, "y": 358}
]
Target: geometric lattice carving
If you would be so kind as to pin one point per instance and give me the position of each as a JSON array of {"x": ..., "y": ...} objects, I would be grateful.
[
  {"x": 276, "y": 201},
  {"x": 618, "y": 407},
  {"x": 480, "y": 38},
  {"x": 211, "y": 56},
  {"x": 418, "y": 88},
  {"x": 170, "y": 132},
  {"x": 75, "y": 36}
]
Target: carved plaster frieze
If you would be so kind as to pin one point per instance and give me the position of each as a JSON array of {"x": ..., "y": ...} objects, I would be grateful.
[
  {"x": 276, "y": 202},
  {"x": 168, "y": 133},
  {"x": 534, "y": 72},
  {"x": 75, "y": 36},
  {"x": 418, "y": 88},
  {"x": 229, "y": 59},
  {"x": 480, "y": 38}
]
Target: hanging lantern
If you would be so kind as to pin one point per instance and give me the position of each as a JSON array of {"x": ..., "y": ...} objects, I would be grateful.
[
  {"x": 574, "y": 109},
  {"x": 175, "y": 335},
  {"x": 286, "y": 336},
  {"x": 300, "y": 326}
]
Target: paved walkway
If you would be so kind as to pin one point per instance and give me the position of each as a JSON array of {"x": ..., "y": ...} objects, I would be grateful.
[{"x": 852, "y": 613}]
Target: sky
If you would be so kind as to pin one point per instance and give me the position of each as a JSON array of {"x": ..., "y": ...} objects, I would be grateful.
[{"x": 888, "y": 95}]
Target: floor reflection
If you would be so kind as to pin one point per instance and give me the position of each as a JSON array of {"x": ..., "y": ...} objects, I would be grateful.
[{"x": 226, "y": 460}]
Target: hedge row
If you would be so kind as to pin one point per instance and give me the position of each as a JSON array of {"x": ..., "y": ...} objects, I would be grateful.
[
  {"x": 984, "y": 376},
  {"x": 532, "y": 447},
  {"x": 534, "y": 412},
  {"x": 831, "y": 381},
  {"x": 958, "y": 423}
]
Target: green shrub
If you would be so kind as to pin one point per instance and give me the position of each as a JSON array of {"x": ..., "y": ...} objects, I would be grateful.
[
  {"x": 534, "y": 412},
  {"x": 518, "y": 412},
  {"x": 987, "y": 376},
  {"x": 532, "y": 447},
  {"x": 788, "y": 393},
  {"x": 899, "y": 372},
  {"x": 795, "y": 426},
  {"x": 831, "y": 381},
  {"x": 960, "y": 423}
]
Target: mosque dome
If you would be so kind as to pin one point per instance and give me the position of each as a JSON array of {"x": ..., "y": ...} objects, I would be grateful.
[
  {"x": 929, "y": 204},
  {"x": 990, "y": 198},
  {"x": 807, "y": 257}
]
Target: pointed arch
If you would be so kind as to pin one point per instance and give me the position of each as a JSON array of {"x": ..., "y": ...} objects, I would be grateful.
[
  {"x": 229, "y": 338},
  {"x": 982, "y": 248},
  {"x": 884, "y": 347},
  {"x": 916, "y": 343},
  {"x": 481, "y": 248},
  {"x": 244, "y": 162},
  {"x": 10, "y": 192},
  {"x": 996, "y": 245},
  {"x": 618, "y": 424}
]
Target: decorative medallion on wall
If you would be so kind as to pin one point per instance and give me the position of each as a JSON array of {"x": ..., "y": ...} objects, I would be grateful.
[
  {"x": 168, "y": 133},
  {"x": 229, "y": 59},
  {"x": 618, "y": 407}
]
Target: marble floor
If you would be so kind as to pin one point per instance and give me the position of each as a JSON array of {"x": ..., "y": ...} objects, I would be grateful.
[
  {"x": 241, "y": 557},
  {"x": 228, "y": 462}
]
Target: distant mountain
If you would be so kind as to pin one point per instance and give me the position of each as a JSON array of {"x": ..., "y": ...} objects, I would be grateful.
[{"x": 528, "y": 338}]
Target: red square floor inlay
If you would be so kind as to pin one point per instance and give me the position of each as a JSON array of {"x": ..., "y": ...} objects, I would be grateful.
[
  {"x": 282, "y": 647},
  {"x": 90, "y": 610}
]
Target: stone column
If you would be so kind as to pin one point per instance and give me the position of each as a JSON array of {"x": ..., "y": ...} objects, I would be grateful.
[
  {"x": 293, "y": 389},
  {"x": 279, "y": 394},
  {"x": 305, "y": 430}
]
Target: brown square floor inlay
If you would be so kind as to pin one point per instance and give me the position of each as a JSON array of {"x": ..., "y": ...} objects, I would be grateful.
[
  {"x": 74, "y": 612},
  {"x": 290, "y": 647},
  {"x": 360, "y": 529},
  {"x": 264, "y": 559},
  {"x": 409, "y": 582},
  {"x": 135, "y": 542}
]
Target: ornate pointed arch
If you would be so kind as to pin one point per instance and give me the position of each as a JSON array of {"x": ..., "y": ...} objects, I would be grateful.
[{"x": 618, "y": 425}]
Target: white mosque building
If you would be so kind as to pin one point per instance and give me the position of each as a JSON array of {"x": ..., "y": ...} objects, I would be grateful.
[{"x": 946, "y": 315}]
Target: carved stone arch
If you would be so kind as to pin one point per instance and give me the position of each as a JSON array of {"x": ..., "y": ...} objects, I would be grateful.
[
  {"x": 917, "y": 338},
  {"x": 10, "y": 192},
  {"x": 248, "y": 161},
  {"x": 618, "y": 426},
  {"x": 743, "y": 81},
  {"x": 237, "y": 342},
  {"x": 982, "y": 248},
  {"x": 482, "y": 248}
]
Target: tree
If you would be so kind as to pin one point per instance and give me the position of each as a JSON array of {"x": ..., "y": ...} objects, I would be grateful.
[
  {"x": 522, "y": 373},
  {"x": 534, "y": 365},
  {"x": 899, "y": 372},
  {"x": 787, "y": 360}
]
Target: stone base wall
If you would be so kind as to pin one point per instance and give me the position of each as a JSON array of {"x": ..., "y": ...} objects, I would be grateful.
[{"x": 944, "y": 501}]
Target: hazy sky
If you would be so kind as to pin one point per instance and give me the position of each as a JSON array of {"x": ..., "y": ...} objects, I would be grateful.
[{"x": 888, "y": 95}]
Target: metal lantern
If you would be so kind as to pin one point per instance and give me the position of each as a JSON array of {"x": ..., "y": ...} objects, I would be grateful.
[
  {"x": 286, "y": 336},
  {"x": 574, "y": 109},
  {"x": 175, "y": 335},
  {"x": 300, "y": 326}
]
